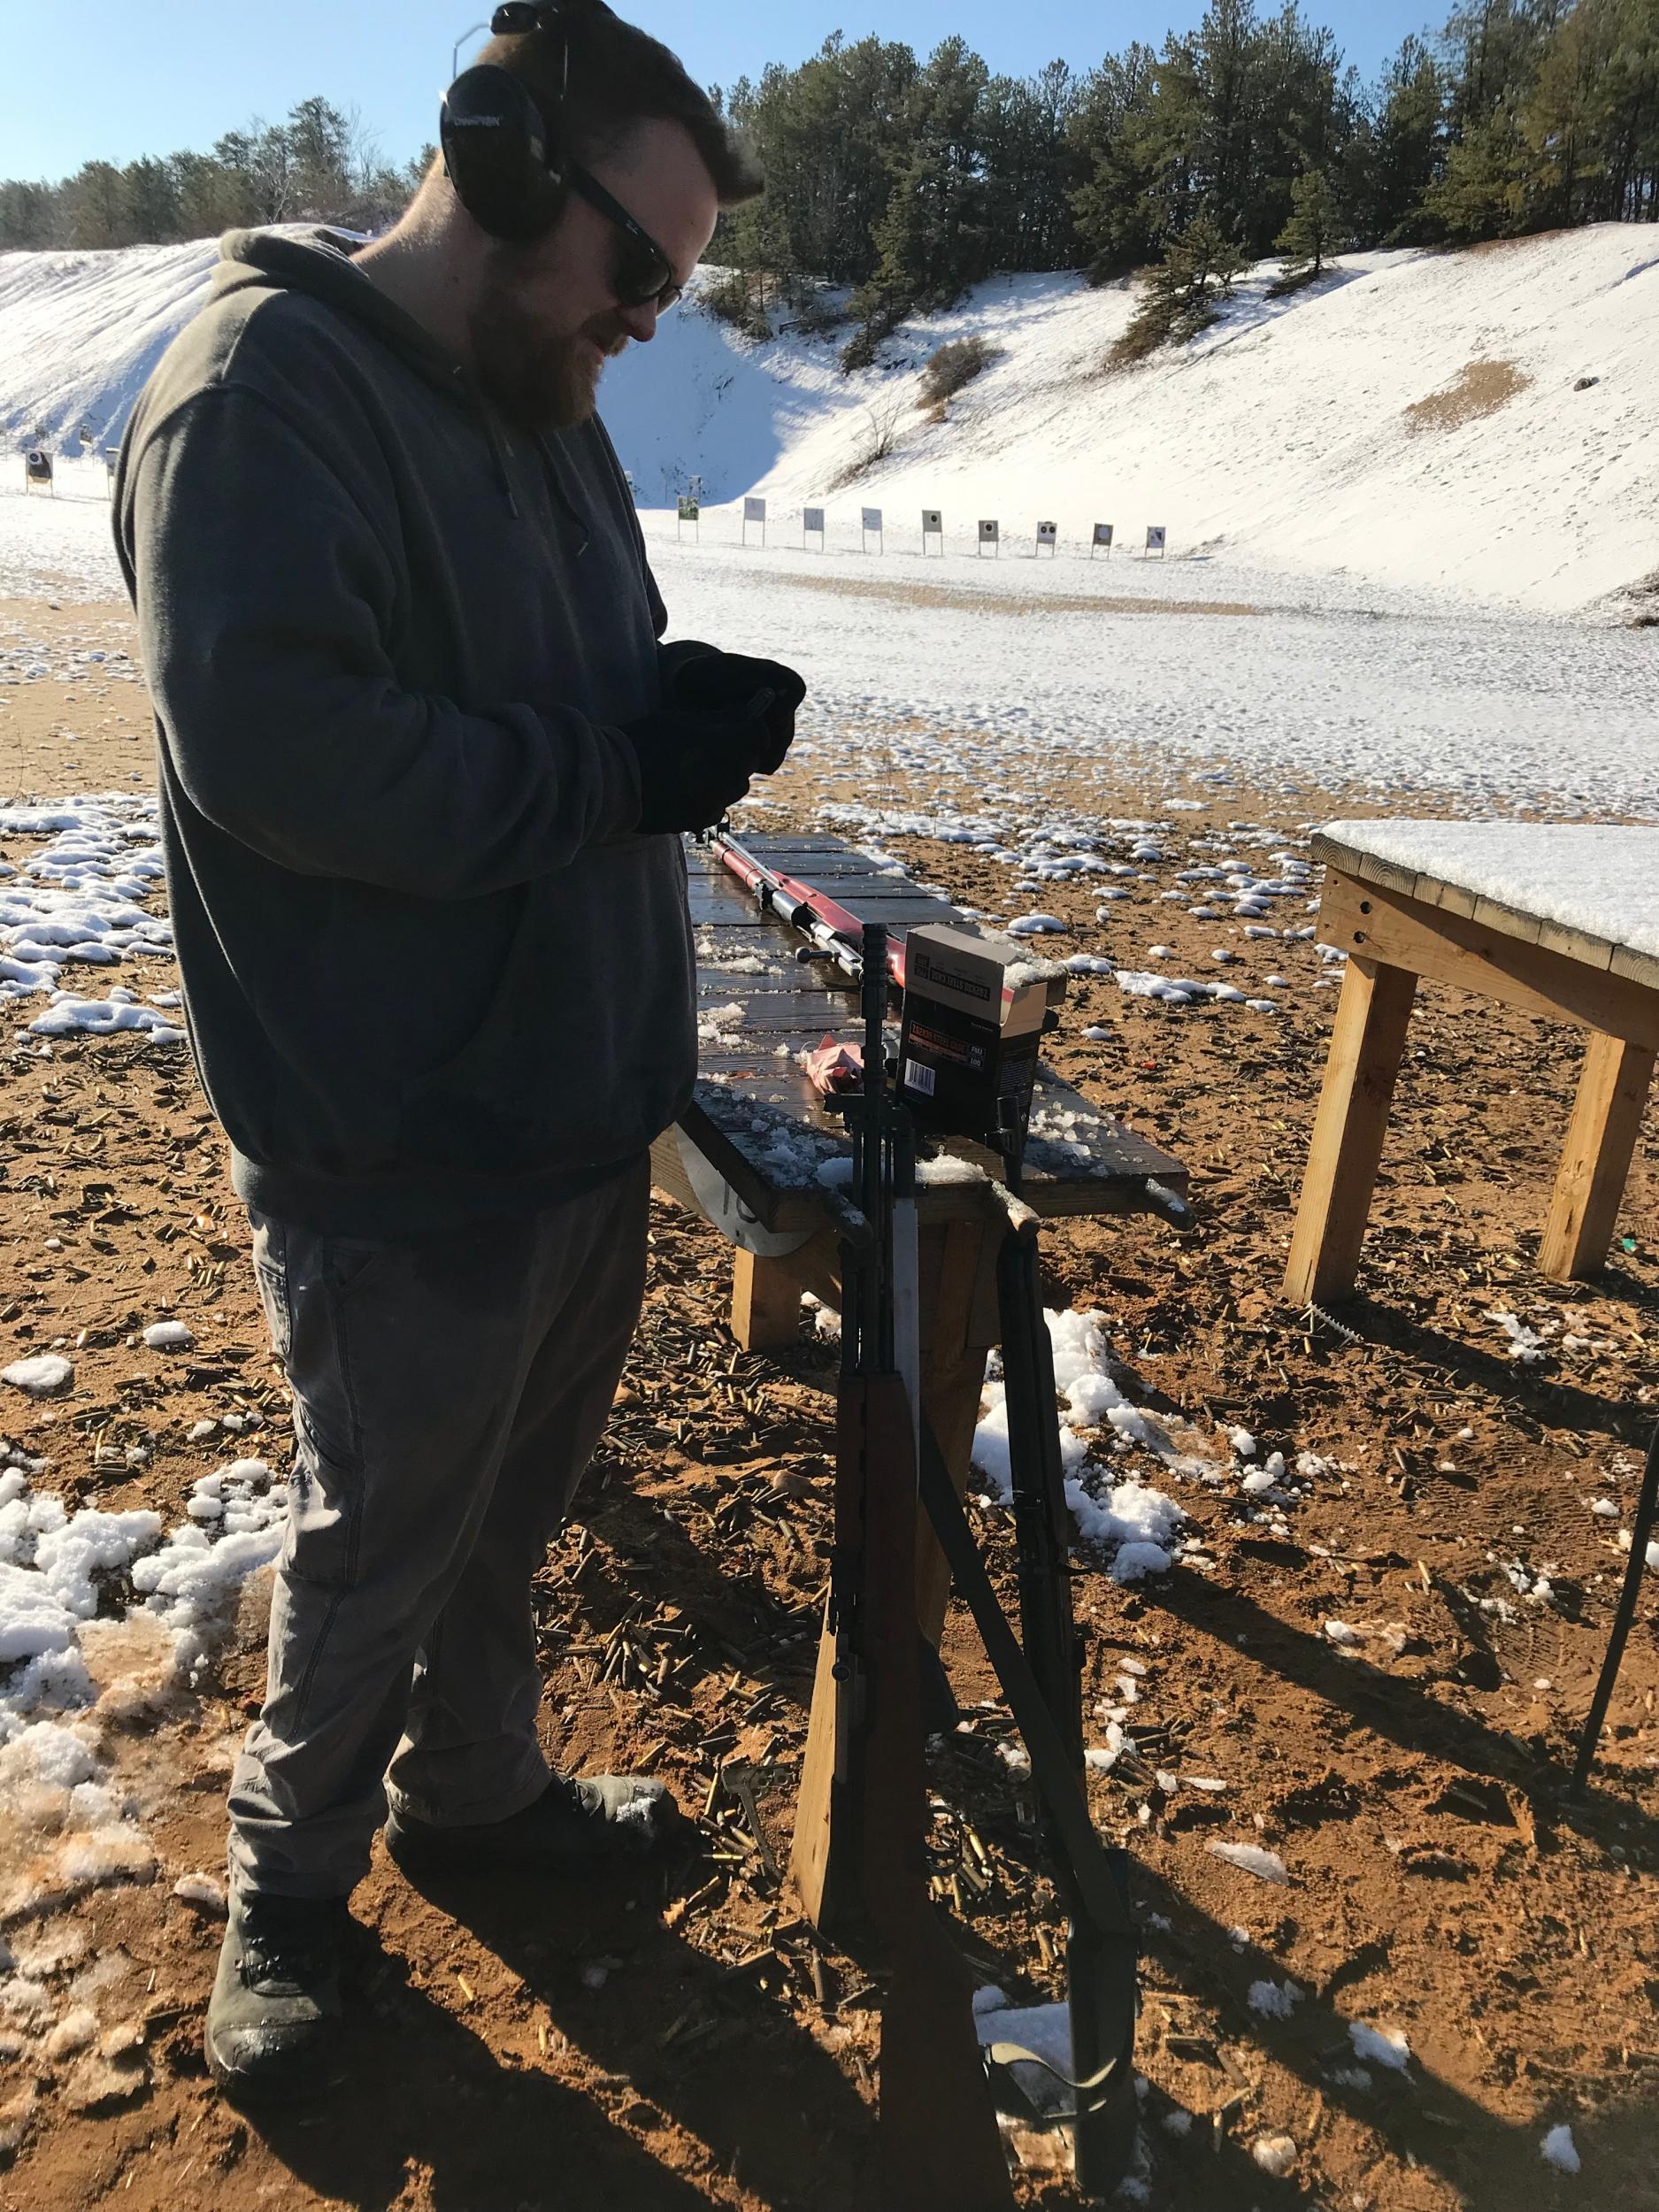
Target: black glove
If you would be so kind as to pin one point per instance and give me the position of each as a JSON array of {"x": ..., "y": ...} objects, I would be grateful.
[
  {"x": 692, "y": 767},
  {"x": 733, "y": 679}
]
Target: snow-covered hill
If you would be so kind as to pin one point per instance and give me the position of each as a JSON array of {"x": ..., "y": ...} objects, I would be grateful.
[{"x": 1484, "y": 423}]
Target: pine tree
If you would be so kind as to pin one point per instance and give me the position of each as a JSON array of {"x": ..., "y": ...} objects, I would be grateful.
[
  {"x": 1405, "y": 150},
  {"x": 1567, "y": 122},
  {"x": 150, "y": 203},
  {"x": 97, "y": 214},
  {"x": 211, "y": 197},
  {"x": 1481, "y": 193},
  {"x": 930, "y": 241},
  {"x": 27, "y": 216},
  {"x": 1202, "y": 266},
  {"x": 1309, "y": 237},
  {"x": 1032, "y": 167},
  {"x": 1118, "y": 130}
]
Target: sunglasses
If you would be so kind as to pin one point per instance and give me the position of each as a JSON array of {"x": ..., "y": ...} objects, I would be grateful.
[{"x": 641, "y": 272}]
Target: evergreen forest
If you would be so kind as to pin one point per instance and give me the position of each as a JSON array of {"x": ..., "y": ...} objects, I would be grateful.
[{"x": 907, "y": 180}]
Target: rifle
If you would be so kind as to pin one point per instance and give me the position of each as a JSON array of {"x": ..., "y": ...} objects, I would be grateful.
[
  {"x": 940, "y": 2148},
  {"x": 832, "y": 933},
  {"x": 935, "y": 2113}
]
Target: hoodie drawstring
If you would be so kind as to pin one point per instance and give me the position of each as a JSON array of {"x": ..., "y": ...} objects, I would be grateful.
[
  {"x": 563, "y": 494},
  {"x": 492, "y": 437}
]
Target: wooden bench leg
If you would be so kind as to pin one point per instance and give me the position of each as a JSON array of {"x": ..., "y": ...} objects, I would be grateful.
[
  {"x": 1601, "y": 1141},
  {"x": 765, "y": 1301},
  {"x": 1366, "y": 1047}
]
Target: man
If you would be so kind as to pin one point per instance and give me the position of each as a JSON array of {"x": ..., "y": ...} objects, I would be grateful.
[{"x": 422, "y": 764}]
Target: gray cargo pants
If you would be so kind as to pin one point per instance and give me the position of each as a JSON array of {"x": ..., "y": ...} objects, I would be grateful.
[{"x": 447, "y": 1397}]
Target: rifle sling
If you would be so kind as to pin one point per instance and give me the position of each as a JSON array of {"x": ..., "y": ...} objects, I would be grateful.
[
  {"x": 1051, "y": 1770},
  {"x": 1017, "y": 2055}
]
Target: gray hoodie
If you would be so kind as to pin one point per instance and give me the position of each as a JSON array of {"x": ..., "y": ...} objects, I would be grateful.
[{"x": 431, "y": 972}]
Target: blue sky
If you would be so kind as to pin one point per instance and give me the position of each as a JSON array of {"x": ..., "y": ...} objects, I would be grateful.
[{"x": 179, "y": 73}]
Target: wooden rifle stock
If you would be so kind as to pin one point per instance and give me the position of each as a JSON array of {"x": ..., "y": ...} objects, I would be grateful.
[
  {"x": 941, "y": 2148},
  {"x": 1100, "y": 1979}
]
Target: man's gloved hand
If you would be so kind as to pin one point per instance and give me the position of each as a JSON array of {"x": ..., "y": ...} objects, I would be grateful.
[
  {"x": 693, "y": 766},
  {"x": 731, "y": 680}
]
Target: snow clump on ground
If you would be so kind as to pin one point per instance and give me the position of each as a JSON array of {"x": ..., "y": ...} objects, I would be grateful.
[
  {"x": 1138, "y": 1524},
  {"x": 65, "y": 1575}
]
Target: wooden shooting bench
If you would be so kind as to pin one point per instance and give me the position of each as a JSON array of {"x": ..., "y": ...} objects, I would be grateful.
[
  {"x": 750, "y": 1151},
  {"x": 1581, "y": 943}
]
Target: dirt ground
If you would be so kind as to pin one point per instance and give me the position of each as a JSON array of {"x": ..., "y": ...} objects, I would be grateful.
[{"x": 685, "y": 2040}]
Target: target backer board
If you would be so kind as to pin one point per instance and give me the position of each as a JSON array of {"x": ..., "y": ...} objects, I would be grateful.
[
  {"x": 1103, "y": 534},
  {"x": 754, "y": 510},
  {"x": 1049, "y": 534},
  {"x": 1155, "y": 537},
  {"x": 991, "y": 534},
  {"x": 870, "y": 521},
  {"x": 811, "y": 521}
]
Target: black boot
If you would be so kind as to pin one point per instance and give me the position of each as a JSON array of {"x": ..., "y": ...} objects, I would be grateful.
[
  {"x": 594, "y": 1826},
  {"x": 273, "y": 2021}
]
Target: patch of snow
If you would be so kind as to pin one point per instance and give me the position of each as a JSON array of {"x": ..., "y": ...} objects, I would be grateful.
[
  {"x": 169, "y": 1336},
  {"x": 1137, "y": 1525},
  {"x": 1560, "y": 2151},
  {"x": 1274, "y": 2001},
  {"x": 1249, "y": 1858},
  {"x": 42, "y": 1376},
  {"x": 1383, "y": 2047}
]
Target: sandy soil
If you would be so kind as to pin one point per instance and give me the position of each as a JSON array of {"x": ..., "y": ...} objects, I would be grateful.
[{"x": 686, "y": 2042}]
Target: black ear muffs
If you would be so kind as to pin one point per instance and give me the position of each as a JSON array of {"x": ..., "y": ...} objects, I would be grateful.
[{"x": 507, "y": 170}]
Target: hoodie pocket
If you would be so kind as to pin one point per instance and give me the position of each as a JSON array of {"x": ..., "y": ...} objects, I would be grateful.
[{"x": 455, "y": 1114}]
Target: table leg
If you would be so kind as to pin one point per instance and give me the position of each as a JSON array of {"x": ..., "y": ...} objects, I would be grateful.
[
  {"x": 765, "y": 1301},
  {"x": 1601, "y": 1141},
  {"x": 1366, "y": 1047}
]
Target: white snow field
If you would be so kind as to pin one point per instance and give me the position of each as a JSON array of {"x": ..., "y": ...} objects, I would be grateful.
[
  {"x": 979, "y": 679},
  {"x": 1350, "y": 600},
  {"x": 79, "y": 333},
  {"x": 1284, "y": 436}
]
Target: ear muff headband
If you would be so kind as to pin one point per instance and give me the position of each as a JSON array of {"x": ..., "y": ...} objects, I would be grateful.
[
  {"x": 503, "y": 155},
  {"x": 506, "y": 166}
]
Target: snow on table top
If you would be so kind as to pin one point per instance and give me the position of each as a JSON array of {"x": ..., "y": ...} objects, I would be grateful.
[{"x": 1591, "y": 877}]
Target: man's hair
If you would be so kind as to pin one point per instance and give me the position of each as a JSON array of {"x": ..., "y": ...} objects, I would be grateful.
[{"x": 619, "y": 77}]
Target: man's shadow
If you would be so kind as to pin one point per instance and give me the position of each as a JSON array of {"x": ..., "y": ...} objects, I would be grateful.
[{"x": 664, "y": 2041}]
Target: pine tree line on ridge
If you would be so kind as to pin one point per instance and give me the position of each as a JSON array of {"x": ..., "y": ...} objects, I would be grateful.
[
  {"x": 903, "y": 181},
  {"x": 908, "y": 179},
  {"x": 321, "y": 165}
]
